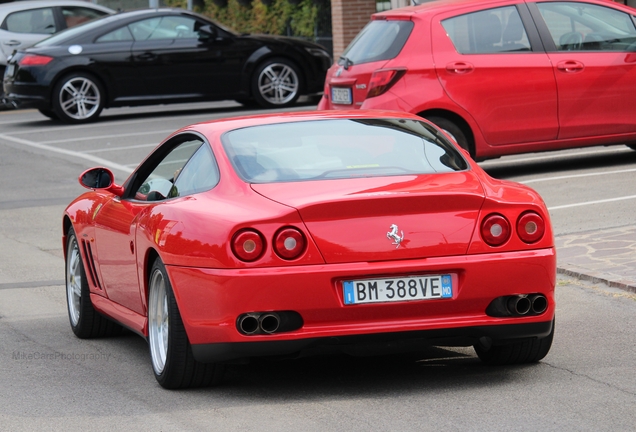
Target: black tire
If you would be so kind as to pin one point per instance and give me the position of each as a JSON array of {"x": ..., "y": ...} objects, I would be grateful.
[
  {"x": 453, "y": 130},
  {"x": 526, "y": 351},
  {"x": 49, "y": 113},
  {"x": 78, "y": 98},
  {"x": 173, "y": 364},
  {"x": 85, "y": 321},
  {"x": 277, "y": 83}
]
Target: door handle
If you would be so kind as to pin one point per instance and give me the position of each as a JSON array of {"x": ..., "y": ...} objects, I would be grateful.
[
  {"x": 460, "y": 68},
  {"x": 570, "y": 66},
  {"x": 11, "y": 43},
  {"x": 147, "y": 56}
]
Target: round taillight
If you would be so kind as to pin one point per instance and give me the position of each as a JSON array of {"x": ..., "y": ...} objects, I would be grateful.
[
  {"x": 530, "y": 227},
  {"x": 289, "y": 243},
  {"x": 248, "y": 245},
  {"x": 495, "y": 230}
]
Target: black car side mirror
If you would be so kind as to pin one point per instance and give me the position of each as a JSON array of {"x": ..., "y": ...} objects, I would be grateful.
[
  {"x": 207, "y": 33},
  {"x": 100, "y": 178}
]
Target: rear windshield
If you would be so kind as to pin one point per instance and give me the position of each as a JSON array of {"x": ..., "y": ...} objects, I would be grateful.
[
  {"x": 378, "y": 40},
  {"x": 338, "y": 149}
]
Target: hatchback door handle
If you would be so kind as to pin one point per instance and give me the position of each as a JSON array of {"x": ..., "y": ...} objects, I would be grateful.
[
  {"x": 570, "y": 66},
  {"x": 460, "y": 68}
]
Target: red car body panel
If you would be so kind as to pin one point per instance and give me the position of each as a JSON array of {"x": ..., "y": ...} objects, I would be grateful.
[
  {"x": 511, "y": 102},
  {"x": 345, "y": 222}
]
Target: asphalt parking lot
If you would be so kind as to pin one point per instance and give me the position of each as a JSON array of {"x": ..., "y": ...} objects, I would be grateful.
[{"x": 52, "y": 380}]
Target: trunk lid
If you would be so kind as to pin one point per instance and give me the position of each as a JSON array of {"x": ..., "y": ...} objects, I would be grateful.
[{"x": 385, "y": 218}]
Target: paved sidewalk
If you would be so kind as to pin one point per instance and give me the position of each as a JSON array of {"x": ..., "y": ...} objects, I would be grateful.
[{"x": 607, "y": 256}]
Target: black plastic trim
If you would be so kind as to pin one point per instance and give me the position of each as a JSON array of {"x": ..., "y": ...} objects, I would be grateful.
[{"x": 464, "y": 336}]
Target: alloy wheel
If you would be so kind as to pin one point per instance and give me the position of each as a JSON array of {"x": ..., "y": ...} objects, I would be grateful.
[
  {"x": 158, "y": 323},
  {"x": 278, "y": 84}
]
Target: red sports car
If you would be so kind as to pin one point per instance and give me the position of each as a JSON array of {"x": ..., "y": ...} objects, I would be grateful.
[
  {"x": 501, "y": 76},
  {"x": 307, "y": 232}
]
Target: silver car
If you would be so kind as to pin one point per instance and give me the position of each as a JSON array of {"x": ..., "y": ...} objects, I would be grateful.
[{"x": 24, "y": 23}]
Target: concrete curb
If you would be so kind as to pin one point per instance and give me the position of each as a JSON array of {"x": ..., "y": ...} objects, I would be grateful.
[{"x": 610, "y": 279}]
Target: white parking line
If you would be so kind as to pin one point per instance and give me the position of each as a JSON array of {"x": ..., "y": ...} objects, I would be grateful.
[
  {"x": 95, "y": 159},
  {"x": 108, "y": 136},
  {"x": 509, "y": 159},
  {"x": 577, "y": 176},
  {"x": 592, "y": 202},
  {"x": 107, "y": 149}
]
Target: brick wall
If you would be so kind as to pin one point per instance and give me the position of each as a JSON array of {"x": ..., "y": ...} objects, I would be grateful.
[{"x": 348, "y": 17}]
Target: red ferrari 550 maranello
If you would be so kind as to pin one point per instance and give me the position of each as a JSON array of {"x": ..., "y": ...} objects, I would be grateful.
[{"x": 284, "y": 234}]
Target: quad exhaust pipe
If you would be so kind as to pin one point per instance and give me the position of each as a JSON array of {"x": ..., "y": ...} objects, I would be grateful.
[
  {"x": 259, "y": 323},
  {"x": 518, "y": 305}
]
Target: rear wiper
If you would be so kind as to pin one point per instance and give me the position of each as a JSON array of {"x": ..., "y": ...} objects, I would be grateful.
[{"x": 347, "y": 62}]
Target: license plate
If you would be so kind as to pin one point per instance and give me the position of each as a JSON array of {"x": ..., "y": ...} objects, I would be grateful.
[
  {"x": 341, "y": 96},
  {"x": 10, "y": 70},
  {"x": 401, "y": 289}
]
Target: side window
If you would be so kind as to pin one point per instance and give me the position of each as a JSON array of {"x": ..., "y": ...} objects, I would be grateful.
[
  {"x": 119, "y": 35},
  {"x": 39, "y": 21},
  {"x": 167, "y": 27},
  {"x": 587, "y": 27},
  {"x": 74, "y": 15},
  {"x": 188, "y": 168},
  {"x": 491, "y": 31}
]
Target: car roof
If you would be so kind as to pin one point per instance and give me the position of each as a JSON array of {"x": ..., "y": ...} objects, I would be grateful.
[
  {"x": 224, "y": 125},
  {"x": 7, "y": 8},
  {"x": 433, "y": 6}
]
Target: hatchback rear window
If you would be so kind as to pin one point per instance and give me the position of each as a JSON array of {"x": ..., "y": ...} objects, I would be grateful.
[
  {"x": 338, "y": 149},
  {"x": 378, "y": 40}
]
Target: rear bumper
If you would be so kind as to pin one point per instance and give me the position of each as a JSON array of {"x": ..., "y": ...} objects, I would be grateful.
[
  {"x": 211, "y": 300},
  {"x": 371, "y": 343}
]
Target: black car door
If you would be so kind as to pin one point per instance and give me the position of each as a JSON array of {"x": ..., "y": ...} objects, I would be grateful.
[{"x": 179, "y": 60}]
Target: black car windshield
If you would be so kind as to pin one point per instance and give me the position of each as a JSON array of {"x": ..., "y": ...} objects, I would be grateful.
[
  {"x": 338, "y": 149},
  {"x": 379, "y": 40}
]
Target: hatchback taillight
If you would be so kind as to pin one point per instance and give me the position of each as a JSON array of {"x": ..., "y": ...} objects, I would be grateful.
[
  {"x": 248, "y": 245},
  {"x": 289, "y": 243},
  {"x": 530, "y": 227},
  {"x": 34, "y": 60},
  {"x": 495, "y": 229},
  {"x": 382, "y": 80}
]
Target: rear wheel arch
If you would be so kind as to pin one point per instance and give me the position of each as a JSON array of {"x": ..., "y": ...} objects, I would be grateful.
[
  {"x": 151, "y": 257},
  {"x": 455, "y": 119}
]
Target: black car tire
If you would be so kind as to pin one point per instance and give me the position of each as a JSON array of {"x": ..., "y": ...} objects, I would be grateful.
[
  {"x": 49, "y": 113},
  {"x": 277, "y": 83},
  {"x": 173, "y": 364},
  {"x": 85, "y": 321},
  {"x": 78, "y": 98},
  {"x": 453, "y": 130},
  {"x": 525, "y": 351}
]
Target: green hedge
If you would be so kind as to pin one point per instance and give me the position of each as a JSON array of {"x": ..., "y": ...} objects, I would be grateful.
[{"x": 280, "y": 18}]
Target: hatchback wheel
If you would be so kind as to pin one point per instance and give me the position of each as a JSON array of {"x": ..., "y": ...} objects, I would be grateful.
[
  {"x": 452, "y": 129},
  {"x": 276, "y": 83},
  {"x": 172, "y": 361},
  {"x": 85, "y": 321},
  {"x": 78, "y": 98}
]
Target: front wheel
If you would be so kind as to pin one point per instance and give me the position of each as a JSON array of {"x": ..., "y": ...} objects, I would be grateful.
[
  {"x": 78, "y": 98},
  {"x": 173, "y": 364},
  {"x": 276, "y": 83},
  {"x": 526, "y": 351},
  {"x": 85, "y": 321}
]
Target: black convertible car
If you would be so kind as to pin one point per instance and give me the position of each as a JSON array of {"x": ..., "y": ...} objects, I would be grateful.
[{"x": 159, "y": 56}]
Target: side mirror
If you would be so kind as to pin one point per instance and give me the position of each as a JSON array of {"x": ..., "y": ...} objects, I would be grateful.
[
  {"x": 207, "y": 33},
  {"x": 100, "y": 178}
]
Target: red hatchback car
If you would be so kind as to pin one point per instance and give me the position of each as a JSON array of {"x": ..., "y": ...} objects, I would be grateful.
[
  {"x": 500, "y": 76},
  {"x": 300, "y": 233}
]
